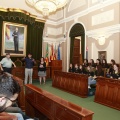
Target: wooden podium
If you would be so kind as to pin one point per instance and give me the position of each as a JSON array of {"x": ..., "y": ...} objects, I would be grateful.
[{"x": 56, "y": 65}]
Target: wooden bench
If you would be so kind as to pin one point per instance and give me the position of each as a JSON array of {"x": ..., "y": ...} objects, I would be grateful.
[
  {"x": 41, "y": 104},
  {"x": 108, "y": 92},
  {"x": 71, "y": 82}
]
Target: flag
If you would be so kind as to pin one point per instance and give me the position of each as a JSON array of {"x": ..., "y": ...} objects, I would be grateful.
[
  {"x": 58, "y": 57},
  {"x": 46, "y": 57},
  {"x": 55, "y": 52},
  {"x": 7, "y": 32},
  {"x": 52, "y": 53}
]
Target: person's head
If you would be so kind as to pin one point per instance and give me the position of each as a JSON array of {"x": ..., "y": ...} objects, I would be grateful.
[
  {"x": 104, "y": 61},
  {"x": 71, "y": 65},
  {"x": 91, "y": 61},
  {"x": 29, "y": 55},
  {"x": 98, "y": 61},
  {"x": 8, "y": 55},
  {"x": 88, "y": 68},
  {"x": 115, "y": 67},
  {"x": 76, "y": 65},
  {"x": 80, "y": 66},
  {"x": 16, "y": 28},
  {"x": 86, "y": 61},
  {"x": 42, "y": 59},
  {"x": 112, "y": 62},
  {"x": 9, "y": 90}
]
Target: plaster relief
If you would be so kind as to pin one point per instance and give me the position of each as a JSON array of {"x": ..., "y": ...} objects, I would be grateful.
[
  {"x": 74, "y": 4},
  {"x": 54, "y": 31},
  {"x": 103, "y": 17}
]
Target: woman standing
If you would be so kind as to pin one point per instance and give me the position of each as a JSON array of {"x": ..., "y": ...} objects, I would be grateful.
[{"x": 42, "y": 70}]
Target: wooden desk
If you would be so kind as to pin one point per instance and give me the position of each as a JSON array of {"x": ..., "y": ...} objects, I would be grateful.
[
  {"x": 20, "y": 72},
  {"x": 55, "y": 108},
  {"x": 55, "y": 65},
  {"x": 71, "y": 82},
  {"x": 108, "y": 92}
]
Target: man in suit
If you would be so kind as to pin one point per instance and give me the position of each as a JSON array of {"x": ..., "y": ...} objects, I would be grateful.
[{"x": 16, "y": 40}]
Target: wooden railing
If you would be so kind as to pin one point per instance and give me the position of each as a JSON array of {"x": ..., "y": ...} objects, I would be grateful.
[
  {"x": 71, "y": 82},
  {"x": 20, "y": 72},
  {"x": 108, "y": 92},
  {"x": 41, "y": 104},
  {"x": 21, "y": 97}
]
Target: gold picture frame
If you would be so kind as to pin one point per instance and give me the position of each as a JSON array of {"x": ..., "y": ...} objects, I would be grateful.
[
  {"x": 102, "y": 55},
  {"x": 14, "y": 39}
]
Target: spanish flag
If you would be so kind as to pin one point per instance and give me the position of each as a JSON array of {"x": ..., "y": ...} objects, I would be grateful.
[{"x": 7, "y": 32}]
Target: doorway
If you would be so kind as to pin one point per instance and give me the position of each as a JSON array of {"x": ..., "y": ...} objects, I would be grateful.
[{"x": 77, "y": 46}]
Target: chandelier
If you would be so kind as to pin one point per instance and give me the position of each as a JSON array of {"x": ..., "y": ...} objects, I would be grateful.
[{"x": 47, "y": 6}]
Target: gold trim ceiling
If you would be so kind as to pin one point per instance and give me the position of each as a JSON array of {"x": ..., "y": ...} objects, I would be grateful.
[{"x": 22, "y": 11}]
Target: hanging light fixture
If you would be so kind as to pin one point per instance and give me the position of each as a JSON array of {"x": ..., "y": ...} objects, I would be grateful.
[{"x": 47, "y": 6}]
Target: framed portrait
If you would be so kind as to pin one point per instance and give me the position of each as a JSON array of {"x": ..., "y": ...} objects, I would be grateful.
[
  {"x": 14, "y": 39},
  {"x": 102, "y": 55}
]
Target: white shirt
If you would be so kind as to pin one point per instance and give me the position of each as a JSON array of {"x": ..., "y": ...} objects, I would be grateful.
[{"x": 6, "y": 62}]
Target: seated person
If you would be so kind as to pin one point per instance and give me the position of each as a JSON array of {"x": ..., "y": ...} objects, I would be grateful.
[
  {"x": 92, "y": 64},
  {"x": 98, "y": 72},
  {"x": 7, "y": 116},
  {"x": 90, "y": 71},
  {"x": 115, "y": 74},
  {"x": 111, "y": 68},
  {"x": 71, "y": 68},
  {"x": 81, "y": 69},
  {"x": 76, "y": 69},
  {"x": 85, "y": 64},
  {"x": 104, "y": 63},
  {"x": 9, "y": 90}
]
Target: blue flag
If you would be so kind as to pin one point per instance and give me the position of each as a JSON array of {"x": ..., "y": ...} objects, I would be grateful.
[{"x": 58, "y": 56}]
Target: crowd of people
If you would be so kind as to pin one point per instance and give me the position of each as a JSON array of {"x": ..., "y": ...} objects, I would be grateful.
[
  {"x": 6, "y": 66},
  {"x": 100, "y": 68},
  {"x": 10, "y": 89}
]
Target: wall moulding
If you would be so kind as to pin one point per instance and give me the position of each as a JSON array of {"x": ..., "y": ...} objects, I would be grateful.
[
  {"x": 84, "y": 12},
  {"x": 106, "y": 31},
  {"x": 56, "y": 41}
]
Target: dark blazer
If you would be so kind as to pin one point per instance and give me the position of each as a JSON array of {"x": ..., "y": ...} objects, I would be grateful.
[
  {"x": 105, "y": 65},
  {"x": 99, "y": 71},
  {"x": 76, "y": 70},
  {"x": 71, "y": 69},
  {"x": 44, "y": 67}
]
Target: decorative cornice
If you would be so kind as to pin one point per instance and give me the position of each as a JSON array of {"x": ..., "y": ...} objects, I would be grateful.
[
  {"x": 22, "y": 11},
  {"x": 96, "y": 33},
  {"x": 84, "y": 12},
  {"x": 54, "y": 40},
  {"x": 106, "y": 31}
]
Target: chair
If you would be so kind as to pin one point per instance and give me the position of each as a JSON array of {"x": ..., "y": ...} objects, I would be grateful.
[
  {"x": 37, "y": 62},
  {"x": 18, "y": 63}
]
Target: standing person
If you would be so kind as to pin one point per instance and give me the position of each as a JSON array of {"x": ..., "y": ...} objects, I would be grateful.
[
  {"x": 16, "y": 40},
  {"x": 42, "y": 70},
  {"x": 29, "y": 63},
  {"x": 6, "y": 64}
]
